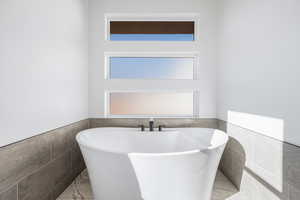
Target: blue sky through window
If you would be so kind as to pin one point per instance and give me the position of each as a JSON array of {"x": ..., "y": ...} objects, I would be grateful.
[
  {"x": 151, "y": 67},
  {"x": 151, "y": 37}
]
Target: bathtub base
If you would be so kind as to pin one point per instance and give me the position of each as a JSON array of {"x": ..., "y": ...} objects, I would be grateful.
[{"x": 118, "y": 180}]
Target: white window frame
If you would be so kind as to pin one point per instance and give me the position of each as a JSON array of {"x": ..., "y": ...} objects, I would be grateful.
[
  {"x": 196, "y": 96},
  {"x": 115, "y": 45},
  {"x": 151, "y": 17},
  {"x": 194, "y": 55}
]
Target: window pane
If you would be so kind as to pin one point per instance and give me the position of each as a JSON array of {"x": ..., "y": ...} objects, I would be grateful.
[
  {"x": 152, "y": 37},
  {"x": 151, "y": 103},
  {"x": 151, "y": 68},
  {"x": 152, "y": 30}
]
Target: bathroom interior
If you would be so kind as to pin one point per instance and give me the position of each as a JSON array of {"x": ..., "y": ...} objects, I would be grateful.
[{"x": 149, "y": 99}]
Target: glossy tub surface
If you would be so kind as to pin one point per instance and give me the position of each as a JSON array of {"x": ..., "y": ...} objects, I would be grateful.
[{"x": 176, "y": 164}]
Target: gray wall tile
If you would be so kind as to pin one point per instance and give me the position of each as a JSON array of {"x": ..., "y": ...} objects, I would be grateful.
[
  {"x": 105, "y": 122},
  {"x": 293, "y": 176},
  {"x": 76, "y": 128},
  {"x": 61, "y": 140},
  {"x": 37, "y": 185},
  {"x": 222, "y": 125},
  {"x": 168, "y": 122},
  {"x": 60, "y": 187},
  {"x": 204, "y": 123},
  {"x": 47, "y": 197},
  {"x": 291, "y": 155},
  {"x": 41, "y": 166},
  {"x": 10, "y": 194},
  {"x": 22, "y": 158},
  {"x": 294, "y": 193},
  {"x": 40, "y": 184},
  {"x": 62, "y": 168},
  {"x": 292, "y": 166},
  {"x": 77, "y": 161}
]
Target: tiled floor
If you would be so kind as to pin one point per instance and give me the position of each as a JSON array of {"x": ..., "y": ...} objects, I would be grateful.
[{"x": 80, "y": 189}]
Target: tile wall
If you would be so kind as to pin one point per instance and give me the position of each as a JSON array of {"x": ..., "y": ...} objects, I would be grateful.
[
  {"x": 261, "y": 167},
  {"x": 41, "y": 167}
]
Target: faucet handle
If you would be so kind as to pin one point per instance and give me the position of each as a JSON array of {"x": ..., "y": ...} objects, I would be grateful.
[
  {"x": 142, "y": 127},
  {"x": 160, "y": 127}
]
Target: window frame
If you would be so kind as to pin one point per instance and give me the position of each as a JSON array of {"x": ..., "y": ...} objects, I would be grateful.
[
  {"x": 151, "y": 17},
  {"x": 196, "y": 97},
  {"x": 194, "y": 55}
]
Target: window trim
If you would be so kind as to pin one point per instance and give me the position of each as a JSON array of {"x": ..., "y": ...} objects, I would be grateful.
[
  {"x": 196, "y": 97},
  {"x": 151, "y": 17},
  {"x": 194, "y": 55}
]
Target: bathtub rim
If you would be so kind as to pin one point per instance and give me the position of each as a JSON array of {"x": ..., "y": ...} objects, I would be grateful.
[{"x": 193, "y": 151}]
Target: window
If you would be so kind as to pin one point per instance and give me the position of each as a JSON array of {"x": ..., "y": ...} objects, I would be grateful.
[
  {"x": 151, "y": 67},
  {"x": 152, "y": 30},
  {"x": 151, "y": 103},
  {"x": 156, "y": 83}
]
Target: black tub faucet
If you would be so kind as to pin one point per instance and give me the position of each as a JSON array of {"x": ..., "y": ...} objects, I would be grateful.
[
  {"x": 160, "y": 128},
  {"x": 142, "y": 127},
  {"x": 151, "y": 124}
]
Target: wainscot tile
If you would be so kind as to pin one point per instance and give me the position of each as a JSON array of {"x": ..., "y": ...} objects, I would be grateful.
[
  {"x": 168, "y": 122},
  {"x": 61, "y": 141},
  {"x": 10, "y": 194},
  {"x": 77, "y": 160},
  {"x": 41, "y": 183},
  {"x": 23, "y": 158}
]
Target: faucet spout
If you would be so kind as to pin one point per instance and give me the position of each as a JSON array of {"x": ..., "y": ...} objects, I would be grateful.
[{"x": 151, "y": 124}]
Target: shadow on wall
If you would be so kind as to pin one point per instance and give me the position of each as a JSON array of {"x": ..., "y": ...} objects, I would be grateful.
[{"x": 257, "y": 161}]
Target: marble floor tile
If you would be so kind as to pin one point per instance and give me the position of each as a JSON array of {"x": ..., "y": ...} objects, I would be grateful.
[
  {"x": 223, "y": 188},
  {"x": 80, "y": 189}
]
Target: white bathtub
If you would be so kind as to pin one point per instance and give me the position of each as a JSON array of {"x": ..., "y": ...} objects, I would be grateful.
[{"x": 176, "y": 164}]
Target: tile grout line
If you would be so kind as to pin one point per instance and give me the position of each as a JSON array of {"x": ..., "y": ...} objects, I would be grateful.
[
  {"x": 17, "y": 191},
  {"x": 35, "y": 171}
]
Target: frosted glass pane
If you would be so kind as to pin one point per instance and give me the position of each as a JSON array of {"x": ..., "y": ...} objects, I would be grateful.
[
  {"x": 151, "y": 37},
  {"x": 151, "y": 68},
  {"x": 151, "y": 103}
]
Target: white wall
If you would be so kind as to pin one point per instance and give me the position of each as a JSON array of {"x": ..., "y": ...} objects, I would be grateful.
[
  {"x": 43, "y": 66},
  {"x": 259, "y": 66},
  {"x": 206, "y": 45},
  {"x": 43, "y": 61}
]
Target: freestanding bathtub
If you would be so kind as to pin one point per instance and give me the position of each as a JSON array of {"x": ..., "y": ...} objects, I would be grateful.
[{"x": 175, "y": 164}]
